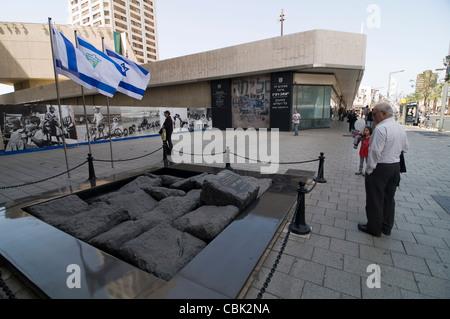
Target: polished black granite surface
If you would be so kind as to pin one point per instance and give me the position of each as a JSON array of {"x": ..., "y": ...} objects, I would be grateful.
[{"x": 43, "y": 253}]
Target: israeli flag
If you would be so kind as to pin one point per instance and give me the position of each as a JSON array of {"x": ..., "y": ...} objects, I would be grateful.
[
  {"x": 108, "y": 71},
  {"x": 74, "y": 64},
  {"x": 135, "y": 78}
]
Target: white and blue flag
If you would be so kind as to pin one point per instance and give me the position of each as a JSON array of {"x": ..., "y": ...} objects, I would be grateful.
[
  {"x": 87, "y": 70},
  {"x": 108, "y": 72},
  {"x": 135, "y": 78}
]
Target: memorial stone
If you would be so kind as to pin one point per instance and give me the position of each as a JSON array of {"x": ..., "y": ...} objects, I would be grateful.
[{"x": 228, "y": 188}]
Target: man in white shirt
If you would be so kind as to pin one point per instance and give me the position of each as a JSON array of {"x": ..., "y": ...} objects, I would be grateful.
[
  {"x": 296, "y": 120},
  {"x": 387, "y": 142}
]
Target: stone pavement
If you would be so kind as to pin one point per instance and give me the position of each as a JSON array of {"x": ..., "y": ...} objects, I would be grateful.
[{"x": 332, "y": 262}]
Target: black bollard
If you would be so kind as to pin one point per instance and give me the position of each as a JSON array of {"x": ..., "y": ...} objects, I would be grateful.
[
  {"x": 320, "y": 178},
  {"x": 227, "y": 159},
  {"x": 91, "y": 167},
  {"x": 299, "y": 227},
  {"x": 165, "y": 160}
]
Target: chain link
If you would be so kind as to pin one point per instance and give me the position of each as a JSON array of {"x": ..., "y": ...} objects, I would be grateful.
[
  {"x": 43, "y": 180},
  {"x": 6, "y": 289}
]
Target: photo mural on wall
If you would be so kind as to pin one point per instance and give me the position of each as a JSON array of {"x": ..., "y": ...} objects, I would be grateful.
[
  {"x": 250, "y": 106},
  {"x": 25, "y": 127}
]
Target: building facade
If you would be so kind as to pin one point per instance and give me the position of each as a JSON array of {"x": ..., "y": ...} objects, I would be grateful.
[
  {"x": 252, "y": 85},
  {"x": 134, "y": 19}
]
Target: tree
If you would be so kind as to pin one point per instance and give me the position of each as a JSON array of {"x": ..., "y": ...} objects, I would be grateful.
[{"x": 436, "y": 94}]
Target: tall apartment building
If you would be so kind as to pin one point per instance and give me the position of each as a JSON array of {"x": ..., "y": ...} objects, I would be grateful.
[
  {"x": 134, "y": 18},
  {"x": 425, "y": 79}
]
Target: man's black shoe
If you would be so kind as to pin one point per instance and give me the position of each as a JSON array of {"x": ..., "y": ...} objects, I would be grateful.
[
  {"x": 386, "y": 232},
  {"x": 364, "y": 229}
]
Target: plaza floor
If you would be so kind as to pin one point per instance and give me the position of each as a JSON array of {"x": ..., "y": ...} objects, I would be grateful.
[{"x": 335, "y": 260}]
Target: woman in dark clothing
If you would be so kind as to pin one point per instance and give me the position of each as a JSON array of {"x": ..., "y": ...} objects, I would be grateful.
[{"x": 351, "y": 119}]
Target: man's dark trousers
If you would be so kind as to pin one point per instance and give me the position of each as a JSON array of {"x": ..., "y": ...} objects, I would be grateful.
[{"x": 380, "y": 202}]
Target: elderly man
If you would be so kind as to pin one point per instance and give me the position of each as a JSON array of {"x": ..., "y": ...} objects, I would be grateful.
[{"x": 383, "y": 171}]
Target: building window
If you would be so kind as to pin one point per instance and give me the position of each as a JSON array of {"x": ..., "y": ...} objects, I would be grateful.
[{"x": 312, "y": 101}]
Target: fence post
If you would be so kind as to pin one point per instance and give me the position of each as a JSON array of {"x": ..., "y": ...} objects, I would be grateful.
[
  {"x": 165, "y": 160},
  {"x": 91, "y": 167},
  {"x": 320, "y": 178},
  {"x": 227, "y": 158},
  {"x": 299, "y": 227}
]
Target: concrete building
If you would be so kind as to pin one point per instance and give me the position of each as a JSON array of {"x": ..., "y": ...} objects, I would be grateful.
[
  {"x": 135, "y": 19},
  {"x": 256, "y": 84},
  {"x": 25, "y": 51}
]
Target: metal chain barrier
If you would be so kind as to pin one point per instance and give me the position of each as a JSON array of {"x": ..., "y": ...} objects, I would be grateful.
[
  {"x": 48, "y": 178},
  {"x": 43, "y": 180},
  {"x": 297, "y": 222},
  {"x": 280, "y": 163},
  {"x": 129, "y": 159},
  {"x": 6, "y": 289}
]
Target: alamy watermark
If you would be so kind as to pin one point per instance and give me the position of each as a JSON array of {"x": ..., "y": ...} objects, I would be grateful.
[
  {"x": 74, "y": 279},
  {"x": 374, "y": 279},
  {"x": 245, "y": 146},
  {"x": 373, "y": 21}
]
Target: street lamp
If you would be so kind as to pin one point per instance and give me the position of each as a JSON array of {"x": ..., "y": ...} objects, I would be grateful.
[
  {"x": 444, "y": 91},
  {"x": 389, "y": 83}
]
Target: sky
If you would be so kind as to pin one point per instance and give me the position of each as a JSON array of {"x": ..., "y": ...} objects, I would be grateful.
[{"x": 409, "y": 35}]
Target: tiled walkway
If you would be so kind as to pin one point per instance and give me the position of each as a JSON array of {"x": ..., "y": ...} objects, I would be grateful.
[{"x": 333, "y": 261}]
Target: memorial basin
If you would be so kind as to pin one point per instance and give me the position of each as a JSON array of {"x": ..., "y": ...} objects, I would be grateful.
[{"x": 196, "y": 243}]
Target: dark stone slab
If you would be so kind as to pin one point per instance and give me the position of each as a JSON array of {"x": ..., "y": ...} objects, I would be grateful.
[
  {"x": 99, "y": 218},
  {"x": 142, "y": 182},
  {"x": 56, "y": 212},
  {"x": 112, "y": 240},
  {"x": 163, "y": 250},
  {"x": 206, "y": 222},
  {"x": 228, "y": 188},
  {"x": 160, "y": 193},
  {"x": 194, "y": 182},
  {"x": 176, "y": 206},
  {"x": 137, "y": 203},
  {"x": 167, "y": 180}
]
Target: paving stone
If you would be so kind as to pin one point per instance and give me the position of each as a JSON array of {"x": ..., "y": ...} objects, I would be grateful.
[
  {"x": 328, "y": 258},
  {"x": 386, "y": 291},
  {"x": 344, "y": 247},
  {"x": 313, "y": 291},
  {"x": 434, "y": 287},
  {"x": 421, "y": 251},
  {"x": 410, "y": 263},
  {"x": 377, "y": 255},
  {"x": 308, "y": 271},
  {"x": 344, "y": 282},
  {"x": 439, "y": 269}
]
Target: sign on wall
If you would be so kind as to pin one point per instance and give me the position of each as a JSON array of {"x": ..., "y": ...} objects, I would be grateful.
[{"x": 281, "y": 100}]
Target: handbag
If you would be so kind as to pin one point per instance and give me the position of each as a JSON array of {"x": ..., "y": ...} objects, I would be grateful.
[
  {"x": 163, "y": 134},
  {"x": 402, "y": 163}
]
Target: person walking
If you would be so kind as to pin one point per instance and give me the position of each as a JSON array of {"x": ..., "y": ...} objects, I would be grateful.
[
  {"x": 296, "y": 120},
  {"x": 383, "y": 171}
]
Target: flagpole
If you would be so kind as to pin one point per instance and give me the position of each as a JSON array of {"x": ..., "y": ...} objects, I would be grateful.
[
  {"x": 109, "y": 122},
  {"x": 57, "y": 95},
  {"x": 84, "y": 103}
]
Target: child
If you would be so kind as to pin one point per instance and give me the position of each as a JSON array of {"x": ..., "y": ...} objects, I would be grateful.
[{"x": 364, "y": 150}]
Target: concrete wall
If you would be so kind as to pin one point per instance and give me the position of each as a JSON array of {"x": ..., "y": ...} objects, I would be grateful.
[{"x": 25, "y": 51}]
